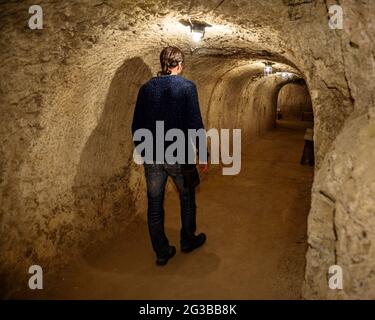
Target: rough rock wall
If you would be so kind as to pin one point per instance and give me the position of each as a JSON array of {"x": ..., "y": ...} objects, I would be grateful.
[
  {"x": 341, "y": 221},
  {"x": 70, "y": 87},
  {"x": 342, "y": 216},
  {"x": 293, "y": 99},
  {"x": 66, "y": 107}
]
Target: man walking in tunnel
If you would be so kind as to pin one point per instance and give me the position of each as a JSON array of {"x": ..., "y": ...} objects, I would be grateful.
[{"x": 172, "y": 99}]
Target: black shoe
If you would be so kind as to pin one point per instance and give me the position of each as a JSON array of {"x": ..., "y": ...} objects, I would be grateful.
[
  {"x": 194, "y": 243},
  {"x": 162, "y": 260}
]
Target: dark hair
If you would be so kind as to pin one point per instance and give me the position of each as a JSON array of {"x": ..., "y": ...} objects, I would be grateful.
[{"x": 170, "y": 57}]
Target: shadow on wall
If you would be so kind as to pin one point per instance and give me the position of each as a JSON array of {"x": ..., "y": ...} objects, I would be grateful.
[{"x": 103, "y": 188}]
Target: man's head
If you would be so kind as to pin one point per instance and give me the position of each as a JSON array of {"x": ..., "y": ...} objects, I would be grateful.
[{"x": 171, "y": 61}]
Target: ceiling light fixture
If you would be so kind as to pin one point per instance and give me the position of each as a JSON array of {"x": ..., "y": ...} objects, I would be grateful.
[
  {"x": 197, "y": 33},
  {"x": 287, "y": 75},
  {"x": 267, "y": 68},
  {"x": 197, "y": 28}
]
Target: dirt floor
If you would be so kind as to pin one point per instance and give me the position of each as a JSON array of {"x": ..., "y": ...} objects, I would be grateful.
[{"x": 256, "y": 228}]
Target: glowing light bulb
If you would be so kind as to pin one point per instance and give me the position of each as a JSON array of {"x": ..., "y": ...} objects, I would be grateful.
[
  {"x": 286, "y": 75},
  {"x": 267, "y": 70},
  {"x": 197, "y": 36}
]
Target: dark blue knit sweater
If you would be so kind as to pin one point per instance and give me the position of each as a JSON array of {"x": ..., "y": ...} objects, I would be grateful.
[{"x": 169, "y": 98}]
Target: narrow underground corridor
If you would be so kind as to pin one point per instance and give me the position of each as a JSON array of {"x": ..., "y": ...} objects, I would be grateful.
[{"x": 256, "y": 227}]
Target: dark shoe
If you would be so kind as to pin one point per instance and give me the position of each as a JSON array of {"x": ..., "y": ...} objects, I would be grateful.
[
  {"x": 162, "y": 260},
  {"x": 194, "y": 243}
]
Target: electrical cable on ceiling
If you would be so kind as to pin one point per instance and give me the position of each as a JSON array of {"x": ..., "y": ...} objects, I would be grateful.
[{"x": 219, "y": 4}]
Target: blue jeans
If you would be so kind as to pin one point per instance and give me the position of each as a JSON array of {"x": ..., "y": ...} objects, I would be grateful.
[{"x": 156, "y": 178}]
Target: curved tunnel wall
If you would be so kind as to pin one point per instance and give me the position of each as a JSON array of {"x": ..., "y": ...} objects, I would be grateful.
[
  {"x": 293, "y": 99},
  {"x": 236, "y": 94},
  {"x": 57, "y": 94}
]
